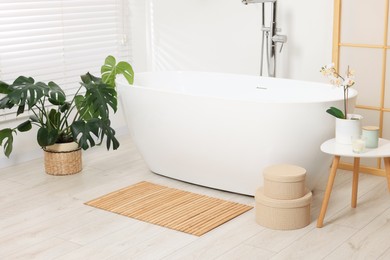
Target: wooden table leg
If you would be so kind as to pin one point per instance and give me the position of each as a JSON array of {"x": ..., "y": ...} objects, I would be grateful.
[
  {"x": 328, "y": 190},
  {"x": 387, "y": 169},
  {"x": 355, "y": 181}
]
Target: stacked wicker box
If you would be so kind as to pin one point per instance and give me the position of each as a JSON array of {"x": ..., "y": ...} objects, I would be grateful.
[{"x": 284, "y": 202}]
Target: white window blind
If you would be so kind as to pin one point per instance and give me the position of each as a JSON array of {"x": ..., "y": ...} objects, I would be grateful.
[{"x": 59, "y": 40}]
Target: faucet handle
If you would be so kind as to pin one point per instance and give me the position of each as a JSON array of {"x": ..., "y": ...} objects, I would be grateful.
[
  {"x": 279, "y": 38},
  {"x": 281, "y": 47}
]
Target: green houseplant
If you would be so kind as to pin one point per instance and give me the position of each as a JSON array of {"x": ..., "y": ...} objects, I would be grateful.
[{"x": 84, "y": 119}]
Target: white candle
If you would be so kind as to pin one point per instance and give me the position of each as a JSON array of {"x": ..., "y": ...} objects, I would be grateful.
[{"x": 358, "y": 145}]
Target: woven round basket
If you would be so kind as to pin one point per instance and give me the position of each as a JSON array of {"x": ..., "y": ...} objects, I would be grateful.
[{"x": 63, "y": 162}]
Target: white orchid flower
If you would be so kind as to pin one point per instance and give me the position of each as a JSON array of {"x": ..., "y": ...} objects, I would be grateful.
[{"x": 338, "y": 81}]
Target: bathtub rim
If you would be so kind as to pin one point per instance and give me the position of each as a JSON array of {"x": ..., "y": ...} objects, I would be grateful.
[{"x": 121, "y": 81}]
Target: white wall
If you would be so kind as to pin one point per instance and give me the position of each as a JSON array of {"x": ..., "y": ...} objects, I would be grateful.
[
  {"x": 309, "y": 26},
  {"x": 24, "y": 147},
  {"x": 139, "y": 16},
  {"x": 225, "y": 36},
  {"x": 214, "y": 35}
]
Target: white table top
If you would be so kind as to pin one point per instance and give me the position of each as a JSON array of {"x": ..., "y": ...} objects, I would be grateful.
[{"x": 331, "y": 147}]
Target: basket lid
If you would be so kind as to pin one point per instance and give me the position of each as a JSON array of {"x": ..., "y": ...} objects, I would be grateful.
[
  {"x": 275, "y": 203},
  {"x": 284, "y": 173}
]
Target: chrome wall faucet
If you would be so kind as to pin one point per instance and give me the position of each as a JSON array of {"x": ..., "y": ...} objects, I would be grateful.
[{"x": 270, "y": 35}]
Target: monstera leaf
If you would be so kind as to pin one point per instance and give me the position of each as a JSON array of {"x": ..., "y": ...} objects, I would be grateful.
[
  {"x": 25, "y": 126},
  {"x": 109, "y": 133},
  {"x": 46, "y": 136},
  {"x": 87, "y": 131},
  {"x": 83, "y": 130},
  {"x": 6, "y": 135},
  {"x": 85, "y": 112},
  {"x": 56, "y": 94},
  {"x": 16, "y": 94},
  {"x": 110, "y": 69},
  {"x": 97, "y": 99},
  {"x": 26, "y": 91},
  {"x": 53, "y": 119},
  {"x": 4, "y": 88},
  {"x": 5, "y": 102}
]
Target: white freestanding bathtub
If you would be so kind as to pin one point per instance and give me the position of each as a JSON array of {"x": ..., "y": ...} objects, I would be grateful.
[{"x": 222, "y": 130}]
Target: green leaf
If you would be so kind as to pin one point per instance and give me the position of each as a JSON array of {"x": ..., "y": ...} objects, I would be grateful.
[
  {"x": 87, "y": 131},
  {"x": 5, "y": 102},
  {"x": 65, "y": 107},
  {"x": 89, "y": 78},
  {"x": 126, "y": 70},
  {"x": 4, "y": 88},
  {"x": 6, "y": 135},
  {"x": 46, "y": 137},
  {"x": 54, "y": 119},
  {"x": 335, "y": 112},
  {"x": 56, "y": 94},
  {"x": 25, "y": 126},
  {"x": 23, "y": 91},
  {"x": 83, "y": 130},
  {"x": 109, "y": 132},
  {"x": 96, "y": 101},
  {"x": 110, "y": 70},
  {"x": 20, "y": 109},
  {"x": 82, "y": 108},
  {"x": 22, "y": 80}
]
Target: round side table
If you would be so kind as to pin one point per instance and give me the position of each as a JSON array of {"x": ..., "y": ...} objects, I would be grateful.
[{"x": 338, "y": 150}]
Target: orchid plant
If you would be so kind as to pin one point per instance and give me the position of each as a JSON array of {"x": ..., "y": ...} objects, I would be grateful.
[{"x": 337, "y": 80}]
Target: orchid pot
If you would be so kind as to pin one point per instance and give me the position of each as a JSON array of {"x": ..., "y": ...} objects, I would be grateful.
[{"x": 347, "y": 128}]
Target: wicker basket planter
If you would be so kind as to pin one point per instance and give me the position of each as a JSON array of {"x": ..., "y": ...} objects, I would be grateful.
[{"x": 62, "y": 159}]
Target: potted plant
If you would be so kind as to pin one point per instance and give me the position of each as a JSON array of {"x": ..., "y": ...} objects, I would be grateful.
[
  {"x": 347, "y": 125},
  {"x": 83, "y": 120}
]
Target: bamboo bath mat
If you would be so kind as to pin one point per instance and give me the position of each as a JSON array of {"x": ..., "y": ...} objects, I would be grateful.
[{"x": 172, "y": 208}]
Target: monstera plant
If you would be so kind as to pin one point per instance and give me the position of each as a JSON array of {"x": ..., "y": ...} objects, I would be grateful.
[{"x": 84, "y": 119}]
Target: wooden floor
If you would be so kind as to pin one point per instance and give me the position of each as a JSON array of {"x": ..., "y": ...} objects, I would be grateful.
[{"x": 43, "y": 217}]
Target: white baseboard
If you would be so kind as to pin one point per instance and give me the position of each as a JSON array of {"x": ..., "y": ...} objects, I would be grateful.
[{"x": 17, "y": 158}]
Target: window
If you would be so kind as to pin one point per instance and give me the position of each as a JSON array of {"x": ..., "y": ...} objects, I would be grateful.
[{"x": 59, "y": 40}]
